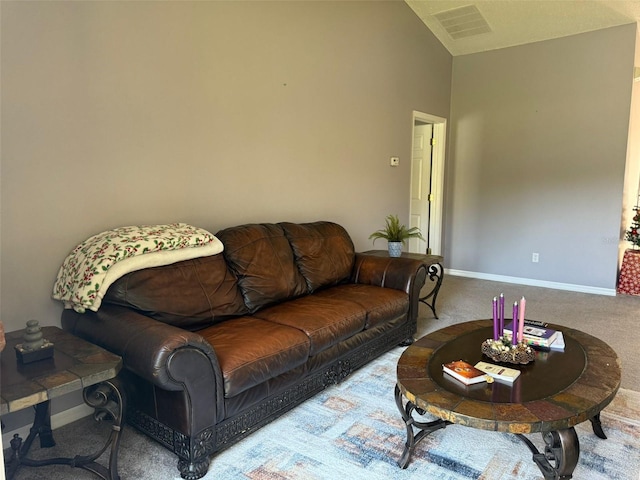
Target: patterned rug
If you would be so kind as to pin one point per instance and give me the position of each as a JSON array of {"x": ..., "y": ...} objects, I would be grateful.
[{"x": 354, "y": 431}]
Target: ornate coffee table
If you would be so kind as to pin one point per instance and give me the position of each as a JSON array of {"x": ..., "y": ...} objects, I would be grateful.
[{"x": 553, "y": 394}]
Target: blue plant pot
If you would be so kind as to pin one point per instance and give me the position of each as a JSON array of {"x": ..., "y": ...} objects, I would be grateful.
[{"x": 395, "y": 249}]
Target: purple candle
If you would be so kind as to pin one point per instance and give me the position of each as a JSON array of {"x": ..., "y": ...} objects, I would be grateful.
[
  {"x": 495, "y": 318},
  {"x": 514, "y": 328},
  {"x": 501, "y": 316}
]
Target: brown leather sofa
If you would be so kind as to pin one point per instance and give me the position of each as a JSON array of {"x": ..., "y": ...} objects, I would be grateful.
[{"x": 216, "y": 347}]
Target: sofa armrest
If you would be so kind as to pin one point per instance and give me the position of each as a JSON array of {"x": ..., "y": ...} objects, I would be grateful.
[
  {"x": 390, "y": 272},
  {"x": 167, "y": 356},
  {"x": 404, "y": 274}
]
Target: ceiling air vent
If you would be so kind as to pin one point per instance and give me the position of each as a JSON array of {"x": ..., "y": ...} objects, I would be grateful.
[{"x": 463, "y": 22}]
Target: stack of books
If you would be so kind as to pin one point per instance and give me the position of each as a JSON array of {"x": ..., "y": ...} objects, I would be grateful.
[{"x": 538, "y": 335}]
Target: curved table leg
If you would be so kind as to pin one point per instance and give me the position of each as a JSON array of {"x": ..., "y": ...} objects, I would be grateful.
[
  {"x": 597, "y": 426},
  {"x": 425, "y": 427},
  {"x": 436, "y": 273},
  {"x": 109, "y": 403},
  {"x": 560, "y": 455}
]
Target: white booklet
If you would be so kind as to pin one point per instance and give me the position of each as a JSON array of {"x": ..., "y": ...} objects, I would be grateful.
[{"x": 498, "y": 371}]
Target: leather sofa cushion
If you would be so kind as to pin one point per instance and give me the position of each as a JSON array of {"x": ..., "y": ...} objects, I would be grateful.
[
  {"x": 251, "y": 351},
  {"x": 326, "y": 321},
  {"x": 323, "y": 251},
  {"x": 381, "y": 304},
  {"x": 189, "y": 294},
  {"x": 262, "y": 259}
]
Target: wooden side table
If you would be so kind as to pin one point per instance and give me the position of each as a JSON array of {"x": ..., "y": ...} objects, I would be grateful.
[
  {"x": 76, "y": 365},
  {"x": 434, "y": 268}
]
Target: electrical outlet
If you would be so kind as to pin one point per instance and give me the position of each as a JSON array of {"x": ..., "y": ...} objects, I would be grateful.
[
  {"x": 395, "y": 161},
  {"x": 535, "y": 257}
]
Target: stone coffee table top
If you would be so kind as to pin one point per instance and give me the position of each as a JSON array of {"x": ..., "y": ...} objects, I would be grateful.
[{"x": 556, "y": 391}]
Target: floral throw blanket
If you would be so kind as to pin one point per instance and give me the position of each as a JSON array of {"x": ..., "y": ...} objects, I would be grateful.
[{"x": 100, "y": 260}]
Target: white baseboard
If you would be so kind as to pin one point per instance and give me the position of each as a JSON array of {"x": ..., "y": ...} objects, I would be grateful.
[
  {"x": 531, "y": 282},
  {"x": 57, "y": 420}
]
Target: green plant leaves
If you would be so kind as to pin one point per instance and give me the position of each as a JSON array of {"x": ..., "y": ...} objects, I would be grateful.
[{"x": 395, "y": 232}]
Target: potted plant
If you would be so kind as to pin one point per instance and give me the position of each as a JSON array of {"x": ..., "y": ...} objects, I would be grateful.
[{"x": 395, "y": 234}]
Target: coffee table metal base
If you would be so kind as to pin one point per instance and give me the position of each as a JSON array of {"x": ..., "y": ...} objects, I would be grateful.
[
  {"x": 425, "y": 428},
  {"x": 559, "y": 460},
  {"x": 560, "y": 456}
]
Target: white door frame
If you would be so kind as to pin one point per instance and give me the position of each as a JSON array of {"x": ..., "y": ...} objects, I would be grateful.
[{"x": 437, "y": 177}]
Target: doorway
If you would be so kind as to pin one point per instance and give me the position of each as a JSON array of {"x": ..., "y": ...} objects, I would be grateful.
[{"x": 427, "y": 181}]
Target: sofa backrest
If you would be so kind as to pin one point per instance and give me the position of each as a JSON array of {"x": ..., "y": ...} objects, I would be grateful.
[
  {"x": 262, "y": 264},
  {"x": 323, "y": 251},
  {"x": 190, "y": 294},
  {"x": 276, "y": 262},
  {"x": 262, "y": 259}
]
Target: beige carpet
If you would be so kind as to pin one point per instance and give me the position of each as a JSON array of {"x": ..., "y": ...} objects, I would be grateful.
[{"x": 615, "y": 320}]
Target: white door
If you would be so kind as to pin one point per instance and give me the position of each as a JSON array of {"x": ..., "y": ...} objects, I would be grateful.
[
  {"x": 420, "y": 184},
  {"x": 427, "y": 181}
]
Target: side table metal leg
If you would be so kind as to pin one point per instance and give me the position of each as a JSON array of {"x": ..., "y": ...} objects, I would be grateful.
[
  {"x": 41, "y": 428},
  {"x": 436, "y": 273},
  {"x": 108, "y": 401},
  {"x": 425, "y": 427},
  {"x": 12, "y": 465}
]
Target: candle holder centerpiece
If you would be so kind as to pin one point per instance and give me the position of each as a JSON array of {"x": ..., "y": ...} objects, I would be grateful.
[
  {"x": 503, "y": 350},
  {"x": 500, "y": 348}
]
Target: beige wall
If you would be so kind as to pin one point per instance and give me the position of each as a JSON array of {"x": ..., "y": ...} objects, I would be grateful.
[
  {"x": 538, "y": 151},
  {"x": 210, "y": 113}
]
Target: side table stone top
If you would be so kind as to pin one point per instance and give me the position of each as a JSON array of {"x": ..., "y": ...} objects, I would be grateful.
[
  {"x": 423, "y": 257},
  {"x": 593, "y": 387},
  {"x": 76, "y": 364}
]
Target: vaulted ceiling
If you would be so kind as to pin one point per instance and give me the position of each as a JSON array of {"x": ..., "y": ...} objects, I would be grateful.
[{"x": 471, "y": 26}]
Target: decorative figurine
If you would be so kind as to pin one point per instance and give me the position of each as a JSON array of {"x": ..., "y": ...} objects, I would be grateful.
[{"x": 34, "y": 347}]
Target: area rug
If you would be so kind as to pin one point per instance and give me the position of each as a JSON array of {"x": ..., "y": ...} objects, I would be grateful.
[{"x": 354, "y": 431}]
